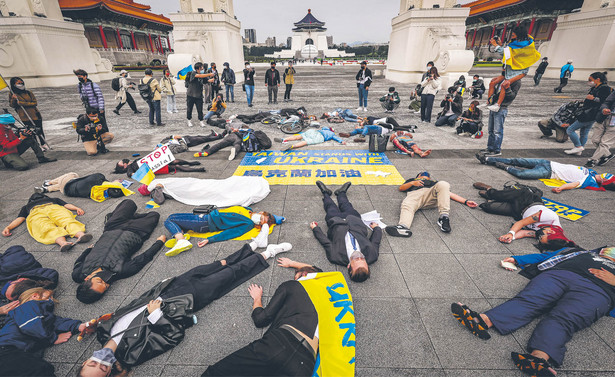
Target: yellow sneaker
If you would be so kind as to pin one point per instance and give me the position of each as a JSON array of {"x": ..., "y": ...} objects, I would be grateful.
[
  {"x": 180, "y": 246},
  {"x": 171, "y": 242}
]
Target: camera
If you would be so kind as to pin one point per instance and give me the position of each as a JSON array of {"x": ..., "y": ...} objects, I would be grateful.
[{"x": 496, "y": 38}]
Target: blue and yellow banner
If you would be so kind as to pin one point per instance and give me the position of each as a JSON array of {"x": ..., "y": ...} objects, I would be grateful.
[
  {"x": 333, "y": 167},
  {"x": 181, "y": 75},
  {"x": 521, "y": 54},
  {"x": 336, "y": 323},
  {"x": 563, "y": 210}
]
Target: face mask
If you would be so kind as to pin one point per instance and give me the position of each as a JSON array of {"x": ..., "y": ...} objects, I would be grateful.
[
  {"x": 202, "y": 71},
  {"x": 168, "y": 73},
  {"x": 81, "y": 80},
  {"x": 429, "y": 67},
  {"x": 248, "y": 66},
  {"x": 104, "y": 356},
  {"x": 591, "y": 83},
  {"x": 256, "y": 218},
  {"x": 20, "y": 86}
]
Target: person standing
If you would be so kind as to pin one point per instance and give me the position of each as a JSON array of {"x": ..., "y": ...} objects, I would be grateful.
[
  {"x": 248, "y": 80},
  {"x": 272, "y": 82},
  {"x": 364, "y": 80},
  {"x": 497, "y": 119},
  {"x": 431, "y": 84},
  {"x": 90, "y": 94},
  {"x": 228, "y": 78},
  {"x": 565, "y": 74},
  {"x": 540, "y": 70},
  {"x": 25, "y": 103},
  {"x": 154, "y": 97},
  {"x": 289, "y": 80},
  {"x": 604, "y": 135},
  {"x": 194, "y": 92},
  {"x": 167, "y": 84},
  {"x": 215, "y": 82},
  {"x": 123, "y": 95}
]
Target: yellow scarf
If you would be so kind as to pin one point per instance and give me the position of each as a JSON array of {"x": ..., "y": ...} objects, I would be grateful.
[{"x": 98, "y": 192}]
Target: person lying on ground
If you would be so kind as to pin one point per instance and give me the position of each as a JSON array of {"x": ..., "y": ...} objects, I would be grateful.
[
  {"x": 524, "y": 204},
  {"x": 345, "y": 114},
  {"x": 229, "y": 224},
  {"x": 165, "y": 311},
  {"x": 94, "y": 186},
  {"x": 570, "y": 291},
  {"x": 405, "y": 143},
  {"x": 311, "y": 136},
  {"x": 424, "y": 192},
  {"x": 13, "y": 146},
  {"x": 110, "y": 258},
  {"x": 240, "y": 138},
  {"x": 376, "y": 126},
  {"x": 125, "y": 166},
  {"x": 30, "y": 328},
  {"x": 289, "y": 345},
  {"x": 566, "y": 114},
  {"x": 50, "y": 221},
  {"x": 179, "y": 144},
  {"x": 346, "y": 242},
  {"x": 93, "y": 132},
  {"x": 471, "y": 120},
  {"x": 536, "y": 168}
]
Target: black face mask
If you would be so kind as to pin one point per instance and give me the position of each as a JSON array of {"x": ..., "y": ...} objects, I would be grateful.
[
  {"x": 81, "y": 80},
  {"x": 104, "y": 275}
]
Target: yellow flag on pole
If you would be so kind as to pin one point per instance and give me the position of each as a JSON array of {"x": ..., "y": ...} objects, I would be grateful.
[{"x": 3, "y": 83}]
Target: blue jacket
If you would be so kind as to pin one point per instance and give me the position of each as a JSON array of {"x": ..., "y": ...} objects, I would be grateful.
[
  {"x": 17, "y": 263},
  {"x": 232, "y": 225},
  {"x": 90, "y": 91},
  {"x": 565, "y": 68},
  {"x": 33, "y": 326},
  {"x": 330, "y": 136}
]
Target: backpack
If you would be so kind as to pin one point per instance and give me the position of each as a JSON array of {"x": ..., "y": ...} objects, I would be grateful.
[
  {"x": 567, "y": 73},
  {"x": 264, "y": 141},
  {"x": 146, "y": 91},
  {"x": 378, "y": 143},
  {"x": 419, "y": 90},
  {"x": 115, "y": 84},
  {"x": 187, "y": 80}
]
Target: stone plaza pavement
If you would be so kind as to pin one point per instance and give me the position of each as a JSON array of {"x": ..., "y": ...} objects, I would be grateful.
[{"x": 404, "y": 325}]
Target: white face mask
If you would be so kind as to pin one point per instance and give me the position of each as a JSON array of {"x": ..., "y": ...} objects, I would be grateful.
[
  {"x": 256, "y": 218},
  {"x": 248, "y": 66}
]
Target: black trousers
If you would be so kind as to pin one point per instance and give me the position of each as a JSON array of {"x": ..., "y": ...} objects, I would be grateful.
[
  {"x": 562, "y": 83},
  {"x": 231, "y": 139},
  {"x": 509, "y": 202},
  {"x": 277, "y": 353},
  {"x": 289, "y": 87},
  {"x": 38, "y": 126},
  {"x": 426, "y": 107},
  {"x": 344, "y": 210},
  {"x": 15, "y": 362},
  {"x": 193, "y": 141},
  {"x": 190, "y": 103},
  {"x": 211, "y": 281},
  {"x": 130, "y": 101},
  {"x": 124, "y": 217}
]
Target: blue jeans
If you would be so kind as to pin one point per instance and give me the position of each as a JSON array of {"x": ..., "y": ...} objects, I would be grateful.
[
  {"x": 154, "y": 109},
  {"x": 447, "y": 120},
  {"x": 363, "y": 95},
  {"x": 367, "y": 130},
  {"x": 180, "y": 222},
  {"x": 250, "y": 93},
  {"x": 535, "y": 168},
  {"x": 496, "y": 129},
  {"x": 230, "y": 88},
  {"x": 347, "y": 115},
  {"x": 209, "y": 114},
  {"x": 584, "y": 128}
]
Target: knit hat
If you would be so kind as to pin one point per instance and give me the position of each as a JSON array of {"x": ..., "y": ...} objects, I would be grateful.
[
  {"x": 279, "y": 219},
  {"x": 7, "y": 119},
  {"x": 143, "y": 190},
  {"x": 424, "y": 174}
]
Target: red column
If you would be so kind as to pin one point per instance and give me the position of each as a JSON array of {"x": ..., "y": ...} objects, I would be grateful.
[
  {"x": 553, "y": 27},
  {"x": 503, "y": 36},
  {"x": 119, "y": 38},
  {"x": 102, "y": 36},
  {"x": 492, "y": 31},
  {"x": 531, "y": 26},
  {"x": 168, "y": 43},
  {"x": 474, "y": 38},
  {"x": 134, "y": 41},
  {"x": 151, "y": 44},
  {"x": 160, "y": 44}
]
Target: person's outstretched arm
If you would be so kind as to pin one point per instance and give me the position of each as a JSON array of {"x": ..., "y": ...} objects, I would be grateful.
[
  {"x": 460, "y": 199},
  {"x": 516, "y": 231},
  {"x": 14, "y": 224},
  {"x": 566, "y": 186},
  {"x": 264, "y": 316}
]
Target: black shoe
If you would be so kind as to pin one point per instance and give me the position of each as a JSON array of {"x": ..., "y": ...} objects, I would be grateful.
[
  {"x": 152, "y": 124},
  {"x": 250, "y": 105},
  {"x": 137, "y": 112},
  {"x": 604, "y": 159},
  {"x": 481, "y": 158},
  {"x": 398, "y": 231},
  {"x": 493, "y": 154},
  {"x": 116, "y": 111},
  {"x": 193, "y": 163},
  {"x": 160, "y": 124},
  {"x": 343, "y": 189},
  {"x": 483, "y": 194},
  {"x": 445, "y": 224},
  {"x": 483, "y": 151},
  {"x": 321, "y": 186},
  {"x": 591, "y": 163},
  {"x": 43, "y": 160},
  {"x": 501, "y": 165}
]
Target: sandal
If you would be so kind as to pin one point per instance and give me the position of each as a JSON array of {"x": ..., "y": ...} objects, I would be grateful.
[
  {"x": 532, "y": 365},
  {"x": 87, "y": 237},
  {"x": 66, "y": 247},
  {"x": 470, "y": 320}
]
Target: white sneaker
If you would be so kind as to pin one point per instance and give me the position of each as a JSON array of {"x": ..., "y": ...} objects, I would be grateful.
[
  {"x": 190, "y": 124},
  {"x": 365, "y": 109},
  {"x": 231, "y": 157},
  {"x": 273, "y": 250},
  {"x": 575, "y": 150},
  {"x": 170, "y": 112},
  {"x": 180, "y": 246},
  {"x": 203, "y": 124},
  {"x": 495, "y": 108},
  {"x": 232, "y": 117},
  {"x": 262, "y": 239},
  {"x": 359, "y": 108}
]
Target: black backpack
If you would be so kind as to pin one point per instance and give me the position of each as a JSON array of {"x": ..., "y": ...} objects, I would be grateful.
[
  {"x": 146, "y": 91},
  {"x": 378, "y": 143},
  {"x": 264, "y": 142},
  {"x": 115, "y": 84}
]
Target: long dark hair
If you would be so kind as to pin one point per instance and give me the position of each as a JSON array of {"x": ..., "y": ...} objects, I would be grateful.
[
  {"x": 520, "y": 32},
  {"x": 596, "y": 75},
  {"x": 434, "y": 72}
]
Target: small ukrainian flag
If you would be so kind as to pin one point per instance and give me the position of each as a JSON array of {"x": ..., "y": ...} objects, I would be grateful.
[
  {"x": 181, "y": 75},
  {"x": 144, "y": 174},
  {"x": 3, "y": 83}
]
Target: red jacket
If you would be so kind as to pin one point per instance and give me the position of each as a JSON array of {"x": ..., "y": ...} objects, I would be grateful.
[{"x": 8, "y": 141}]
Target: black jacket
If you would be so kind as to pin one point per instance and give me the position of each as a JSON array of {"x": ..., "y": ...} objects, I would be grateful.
[
  {"x": 248, "y": 77},
  {"x": 592, "y": 107},
  {"x": 335, "y": 245},
  {"x": 478, "y": 84},
  {"x": 228, "y": 76},
  {"x": 476, "y": 116},
  {"x": 368, "y": 75},
  {"x": 272, "y": 81},
  {"x": 457, "y": 105},
  {"x": 17, "y": 263},
  {"x": 89, "y": 135},
  {"x": 542, "y": 67},
  {"x": 82, "y": 186},
  {"x": 143, "y": 340}
]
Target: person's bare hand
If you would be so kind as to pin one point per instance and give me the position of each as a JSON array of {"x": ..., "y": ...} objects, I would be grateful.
[
  {"x": 80, "y": 212},
  {"x": 82, "y": 327},
  {"x": 590, "y": 97},
  {"x": 313, "y": 224},
  {"x": 256, "y": 291},
  {"x": 153, "y": 305},
  {"x": 509, "y": 260},
  {"x": 367, "y": 88},
  {"x": 87, "y": 128},
  {"x": 99, "y": 127},
  {"x": 203, "y": 243},
  {"x": 373, "y": 225},
  {"x": 418, "y": 183},
  {"x": 603, "y": 275},
  {"x": 343, "y": 143},
  {"x": 63, "y": 338},
  {"x": 472, "y": 204},
  {"x": 606, "y": 111},
  {"x": 285, "y": 262},
  {"x": 5, "y": 309},
  {"x": 565, "y": 125},
  {"x": 556, "y": 190},
  {"x": 6, "y": 232},
  {"x": 162, "y": 238},
  {"x": 507, "y": 238}
]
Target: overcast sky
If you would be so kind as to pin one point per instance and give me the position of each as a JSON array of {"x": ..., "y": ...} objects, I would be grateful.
[{"x": 346, "y": 20}]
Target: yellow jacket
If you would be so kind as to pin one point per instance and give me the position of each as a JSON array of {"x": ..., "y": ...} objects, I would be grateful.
[{"x": 289, "y": 75}]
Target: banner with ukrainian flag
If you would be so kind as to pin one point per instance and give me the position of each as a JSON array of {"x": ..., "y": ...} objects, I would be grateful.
[
  {"x": 3, "y": 83},
  {"x": 144, "y": 174},
  {"x": 521, "y": 54},
  {"x": 336, "y": 323},
  {"x": 181, "y": 75}
]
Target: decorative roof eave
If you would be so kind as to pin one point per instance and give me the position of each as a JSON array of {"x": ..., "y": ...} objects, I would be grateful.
[
  {"x": 116, "y": 6},
  {"x": 309, "y": 20},
  {"x": 483, "y": 6}
]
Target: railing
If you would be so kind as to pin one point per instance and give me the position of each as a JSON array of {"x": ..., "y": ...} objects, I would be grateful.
[{"x": 114, "y": 49}]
